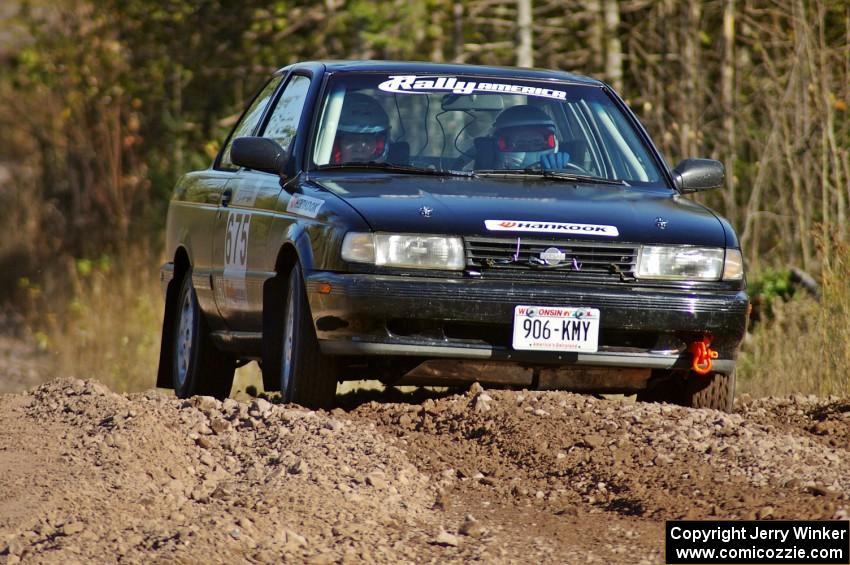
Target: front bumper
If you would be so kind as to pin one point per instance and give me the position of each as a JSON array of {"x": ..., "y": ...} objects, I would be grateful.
[{"x": 430, "y": 318}]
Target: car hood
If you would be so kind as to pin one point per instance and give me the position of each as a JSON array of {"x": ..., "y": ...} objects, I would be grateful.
[{"x": 461, "y": 206}]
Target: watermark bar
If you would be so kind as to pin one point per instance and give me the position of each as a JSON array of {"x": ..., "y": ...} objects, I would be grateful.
[{"x": 690, "y": 542}]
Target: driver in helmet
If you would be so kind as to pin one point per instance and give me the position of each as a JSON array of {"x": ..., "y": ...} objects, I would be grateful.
[
  {"x": 363, "y": 131},
  {"x": 525, "y": 138}
]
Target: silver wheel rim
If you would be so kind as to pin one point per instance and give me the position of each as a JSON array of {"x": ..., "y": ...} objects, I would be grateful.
[
  {"x": 185, "y": 336},
  {"x": 288, "y": 344}
]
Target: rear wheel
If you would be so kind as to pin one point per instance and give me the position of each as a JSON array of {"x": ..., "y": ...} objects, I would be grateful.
[
  {"x": 199, "y": 368},
  {"x": 306, "y": 376},
  {"x": 715, "y": 390}
]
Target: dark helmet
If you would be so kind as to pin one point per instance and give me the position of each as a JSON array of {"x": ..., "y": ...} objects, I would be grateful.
[
  {"x": 362, "y": 122},
  {"x": 362, "y": 114},
  {"x": 523, "y": 134}
]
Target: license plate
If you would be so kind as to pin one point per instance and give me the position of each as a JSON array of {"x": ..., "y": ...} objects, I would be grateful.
[{"x": 556, "y": 328}]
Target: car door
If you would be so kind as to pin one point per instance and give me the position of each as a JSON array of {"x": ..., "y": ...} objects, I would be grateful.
[
  {"x": 248, "y": 124},
  {"x": 198, "y": 200},
  {"x": 241, "y": 245}
]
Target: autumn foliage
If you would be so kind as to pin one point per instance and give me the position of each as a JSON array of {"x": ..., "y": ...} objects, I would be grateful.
[{"x": 104, "y": 103}]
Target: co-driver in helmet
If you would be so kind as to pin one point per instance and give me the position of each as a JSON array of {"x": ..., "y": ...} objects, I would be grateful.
[
  {"x": 524, "y": 138},
  {"x": 363, "y": 131}
]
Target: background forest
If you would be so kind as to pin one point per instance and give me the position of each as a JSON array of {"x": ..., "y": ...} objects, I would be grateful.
[{"x": 104, "y": 103}]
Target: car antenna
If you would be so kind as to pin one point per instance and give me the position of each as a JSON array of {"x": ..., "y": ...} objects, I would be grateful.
[{"x": 289, "y": 185}]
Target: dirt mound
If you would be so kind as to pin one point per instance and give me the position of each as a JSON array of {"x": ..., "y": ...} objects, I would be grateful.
[
  {"x": 490, "y": 476},
  {"x": 566, "y": 451},
  {"x": 144, "y": 475}
]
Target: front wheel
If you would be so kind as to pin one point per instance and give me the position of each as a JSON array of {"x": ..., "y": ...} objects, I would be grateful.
[
  {"x": 198, "y": 367},
  {"x": 307, "y": 377},
  {"x": 715, "y": 390}
]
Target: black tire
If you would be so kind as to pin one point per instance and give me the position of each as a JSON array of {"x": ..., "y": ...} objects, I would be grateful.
[
  {"x": 198, "y": 368},
  {"x": 307, "y": 377},
  {"x": 692, "y": 390},
  {"x": 715, "y": 390}
]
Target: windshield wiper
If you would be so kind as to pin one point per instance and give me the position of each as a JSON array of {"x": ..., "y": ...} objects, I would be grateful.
[
  {"x": 392, "y": 167},
  {"x": 550, "y": 174},
  {"x": 581, "y": 178}
]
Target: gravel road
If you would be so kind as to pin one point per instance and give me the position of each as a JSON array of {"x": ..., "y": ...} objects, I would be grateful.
[{"x": 87, "y": 475}]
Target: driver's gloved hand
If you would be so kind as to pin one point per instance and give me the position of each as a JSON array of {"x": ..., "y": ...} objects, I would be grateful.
[{"x": 555, "y": 161}]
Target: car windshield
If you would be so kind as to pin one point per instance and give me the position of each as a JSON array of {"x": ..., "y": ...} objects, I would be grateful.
[{"x": 451, "y": 123}]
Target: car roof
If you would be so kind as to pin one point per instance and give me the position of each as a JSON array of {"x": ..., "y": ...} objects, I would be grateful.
[{"x": 419, "y": 67}]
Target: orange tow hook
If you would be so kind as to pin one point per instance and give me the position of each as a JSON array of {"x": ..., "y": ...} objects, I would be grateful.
[{"x": 703, "y": 354}]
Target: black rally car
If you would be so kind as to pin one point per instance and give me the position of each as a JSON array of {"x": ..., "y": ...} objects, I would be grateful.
[{"x": 441, "y": 224}]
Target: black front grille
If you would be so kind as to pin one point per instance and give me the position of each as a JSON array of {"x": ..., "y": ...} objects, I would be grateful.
[{"x": 494, "y": 255}]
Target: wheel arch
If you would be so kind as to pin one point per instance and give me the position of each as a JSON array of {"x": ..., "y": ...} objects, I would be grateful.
[
  {"x": 182, "y": 265},
  {"x": 274, "y": 300}
]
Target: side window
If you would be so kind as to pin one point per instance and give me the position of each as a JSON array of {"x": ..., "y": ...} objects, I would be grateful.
[
  {"x": 629, "y": 152},
  {"x": 249, "y": 121},
  {"x": 283, "y": 122}
]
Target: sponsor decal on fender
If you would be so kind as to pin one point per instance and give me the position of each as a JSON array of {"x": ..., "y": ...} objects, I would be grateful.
[
  {"x": 410, "y": 84},
  {"x": 304, "y": 205},
  {"x": 551, "y": 227}
]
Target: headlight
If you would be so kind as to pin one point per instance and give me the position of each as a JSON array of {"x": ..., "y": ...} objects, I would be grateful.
[
  {"x": 409, "y": 250},
  {"x": 680, "y": 263}
]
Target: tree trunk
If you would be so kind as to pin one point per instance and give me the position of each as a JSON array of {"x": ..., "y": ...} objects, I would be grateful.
[
  {"x": 692, "y": 101},
  {"x": 525, "y": 49},
  {"x": 458, "y": 55},
  {"x": 436, "y": 35},
  {"x": 727, "y": 92},
  {"x": 595, "y": 35},
  {"x": 613, "y": 46}
]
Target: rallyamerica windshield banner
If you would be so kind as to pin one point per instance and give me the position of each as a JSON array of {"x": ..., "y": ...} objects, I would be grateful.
[
  {"x": 764, "y": 542},
  {"x": 411, "y": 84}
]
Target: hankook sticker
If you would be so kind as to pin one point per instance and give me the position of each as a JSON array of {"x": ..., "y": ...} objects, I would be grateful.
[
  {"x": 304, "y": 205},
  {"x": 551, "y": 227},
  {"x": 410, "y": 84}
]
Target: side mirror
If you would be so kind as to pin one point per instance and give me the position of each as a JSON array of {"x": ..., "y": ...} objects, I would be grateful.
[
  {"x": 695, "y": 175},
  {"x": 259, "y": 154}
]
